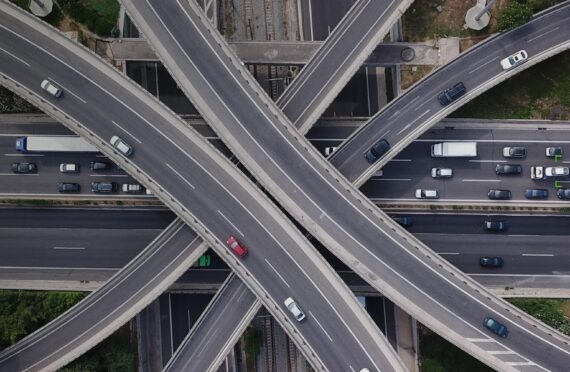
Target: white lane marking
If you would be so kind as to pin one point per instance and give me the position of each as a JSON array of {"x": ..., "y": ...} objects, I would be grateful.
[
  {"x": 70, "y": 248},
  {"x": 487, "y": 161},
  {"x": 449, "y": 253},
  {"x": 126, "y": 131},
  {"x": 230, "y": 222},
  {"x": 181, "y": 176},
  {"x": 311, "y": 20},
  {"x": 408, "y": 160},
  {"x": 394, "y": 114},
  {"x": 492, "y": 141},
  {"x": 525, "y": 275},
  {"x": 522, "y": 364},
  {"x": 404, "y": 128},
  {"x": 423, "y": 104},
  {"x": 483, "y": 65},
  {"x": 537, "y": 255},
  {"x": 524, "y": 235},
  {"x": 19, "y": 174},
  {"x": 277, "y": 272},
  {"x": 67, "y": 90},
  {"x": 500, "y": 352},
  {"x": 413, "y": 100},
  {"x": 109, "y": 175},
  {"x": 543, "y": 34},
  {"x": 320, "y": 325},
  {"x": 416, "y": 119},
  {"x": 480, "y": 339},
  {"x": 208, "y": 339},
  {"x": 15, "y": 57},
  {"x": 390, "y": 179},
  {"x": 24, "y": 154},
  {"x": 469, "y": 180}
]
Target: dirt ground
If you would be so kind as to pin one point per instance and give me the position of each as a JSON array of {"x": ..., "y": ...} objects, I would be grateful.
[
  {"x": 566, "y": 308},
  {"x": 408, "y": 76}
]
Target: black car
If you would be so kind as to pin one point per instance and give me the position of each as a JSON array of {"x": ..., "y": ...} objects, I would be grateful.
[
  {"x": 536, "y": 193},
  {"x": 502, "y": 169},
  {"x": 68, "y": 187},
  {"x": 451, "y": 94},
  {"x": 24, "y": 167},
  {"x": 404, "y": 221},
  {"x": 104, "y": 186},
  {"x": 100, "y": 165},
  {"x": 497, "y": 194},
  {"x": 496, "y": 327},
  {"x": 491, "y": 262},
  {"x": 563, "y": 193},
  {"x": 377, "y": 151},
  {"x": 514, "y": 152},
  {"x": 495, "y": 225}
]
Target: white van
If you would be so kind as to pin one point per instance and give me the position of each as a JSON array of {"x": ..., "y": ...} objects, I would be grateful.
[{"x": 51, "y": 88}]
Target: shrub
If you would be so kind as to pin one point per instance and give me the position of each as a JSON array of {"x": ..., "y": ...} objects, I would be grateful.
[{"x": 514, "y": 15}]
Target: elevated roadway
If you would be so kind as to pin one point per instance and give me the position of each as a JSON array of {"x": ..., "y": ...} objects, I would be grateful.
[
  {"x": 195, "y": 177},
  {"x": 479, "y": 68},
  {"x": 323, "y": 201}
]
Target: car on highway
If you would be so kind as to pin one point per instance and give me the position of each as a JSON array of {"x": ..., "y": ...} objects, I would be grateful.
[
  {"x": 514, "y": 152},
  {"x": 100, "y": 166},
  {"x": 404, "y": 221},
  {"x": 514, "y": 59},
  {"x": 236, "y": 246},
  {"x": 51, "y": 88},
  {"x": 499, "y": 194},
  {"x": 24, "y": 167},
  {"x": 121, "y": 145},
  {"x": 378, "y": 174},
  {"x": 132, "y": 188},
  {"x": 376, "y": 151},
  {"x": 493, "y": 262},
  {"x": 104, "y": 187},
  {"x": 563, "y": 193},
  {"x": 426, "y": 194},
  {"x": 495, "y": 327},
  {"x": 508, "y": 169},
  {"x": 451, "y": 94},
  {"x": 68, "y": 187},
  {"x": 495, "y": 225},
  {"x": 441, "y": 172},
  {"x": 553, "y": 151},
  {"x": 556, "y": 171},
  {"x": 69, "y": 168},
  {"x": 329, "y": 150},
  {"x": 294, "y": 309},
  {"x": 536, "y": 193}
]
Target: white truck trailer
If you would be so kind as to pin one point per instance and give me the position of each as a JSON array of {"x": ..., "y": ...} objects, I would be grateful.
[
  {"x": 54, "y": 144},
  {"x": 454, "y": 150}
]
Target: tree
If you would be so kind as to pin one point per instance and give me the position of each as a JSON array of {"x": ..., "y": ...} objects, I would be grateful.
[{"x": 514, "y": 15}]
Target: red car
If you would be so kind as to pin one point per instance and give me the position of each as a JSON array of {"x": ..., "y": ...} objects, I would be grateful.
[{"x": 235, "y": 246}]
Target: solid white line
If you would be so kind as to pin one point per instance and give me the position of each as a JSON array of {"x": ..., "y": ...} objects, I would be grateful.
[
  {"x": 480, "y": 339},
  {"x": 67, "y": 90},
  {"x": 311, "y": 19},
  {"x": 394, "y": 114},
  {"x": 277, "y": 272},
  {"x": 15, "y": 57},
  {"x": 19, "y": 174},
  {"x": 230, "y": 222},
  {"x": 408, "y": 160},
  {"x": 181, "y": 176},
  {"x": 524, "y": 275},
  {"x": 390, "y": 179},
  {"x": 109, "y": 175},
  {"x": 72, "y": 248},
  {"x": 541, "y": 35},
  {"x": 488, "y": 161},
  {"x": 521, "y": 363},
  {"x": 319, "y": 324},
  {"x": 466, "y": 180},
  {"x": 500, "y": 352},
  {"x": 126, "y": 131},
  {"x": 483, "y": 65},
  {"x": 24, "y": 154},
  {"x": 537, "y": 255},
  {"x": 449, "y": 253}
]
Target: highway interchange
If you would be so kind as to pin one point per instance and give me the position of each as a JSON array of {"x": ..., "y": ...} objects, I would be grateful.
[{"x": 329, "y": 199}]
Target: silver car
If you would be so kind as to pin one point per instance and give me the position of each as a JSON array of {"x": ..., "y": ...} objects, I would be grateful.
[
  {"x": 121, "y": 145},
  {"x": 441, "y": 172},
  {"x": 51, "y": 88},
  {"x": 514, "y": 59},
  {"x": 294, "y": 309}
]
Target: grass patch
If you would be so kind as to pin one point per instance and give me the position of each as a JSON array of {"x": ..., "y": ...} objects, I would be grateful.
[
  {"x": 99, "y": 16},
  {"x": 438, "y": 355},
  {"x": 553, "y": 312},
  {"x": 541, "y": 92},
  {"x": 11, "y": 103}
]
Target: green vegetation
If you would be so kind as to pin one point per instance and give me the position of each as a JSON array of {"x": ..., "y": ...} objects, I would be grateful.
[
  {"x": 438, "y": 355},
  {"x": 11, "y": 103},
  {"x": 253, "y": 340},
  {"x": 100, "y": 16},
  {"x": 514, "y": 15},
  {"x": 22, "y": 312},
  {"x": 550, "y": 311},
  {"x": 540, "y": 92}
]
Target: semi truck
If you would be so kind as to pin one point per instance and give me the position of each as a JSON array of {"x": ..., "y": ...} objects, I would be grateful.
[
  {"x": 454, "y": 150},
  {"x": 54, "y": 144}
]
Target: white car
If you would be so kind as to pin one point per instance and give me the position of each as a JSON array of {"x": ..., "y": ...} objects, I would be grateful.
[
  {"x": 51, "y": 88},
  {"x": 426, "y": 194},
  {"x": 329, "y": 150},
  {"x": 294, "y": 309},
  {"x": 69, "y": 168},
  {"x": 441, "y": 172},
  {"x": 132, "y": 188},
  {"x": 121, "y": 145},
  {"x": 514, "y": 59},
  {"x": 556, "y": 171}
]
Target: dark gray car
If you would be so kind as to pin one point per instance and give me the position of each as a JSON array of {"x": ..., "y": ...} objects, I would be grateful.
[
  {"x": 506, "y": 169},
  {"x": 536, "y": 193},
  {"x": 376, "y": 151},
  {"x": 451, "y": 94},
  {"x": 498, "y": 194},
  {"x": 68, "y": 187},
  {"x": 104, "y": 186}
]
